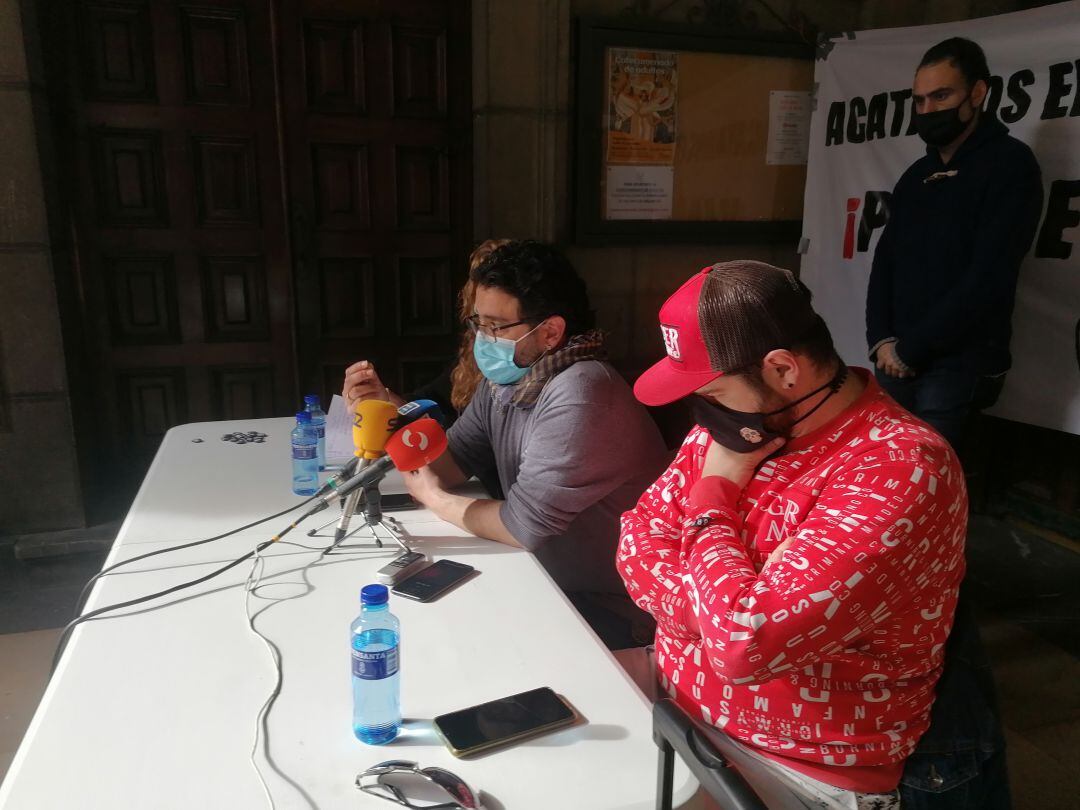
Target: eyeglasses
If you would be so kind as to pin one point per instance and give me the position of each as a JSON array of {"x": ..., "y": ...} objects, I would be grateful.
[
  {"x": 489, "y": 330},
  {"x": 372, "y": 781}
]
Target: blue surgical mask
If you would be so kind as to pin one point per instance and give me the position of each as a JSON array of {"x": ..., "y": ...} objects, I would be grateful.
[{"x": 495, "y": 357}]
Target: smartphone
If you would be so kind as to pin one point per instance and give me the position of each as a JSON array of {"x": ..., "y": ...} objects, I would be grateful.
[
  {"x": 434, "y": 580},
  {"x": 504, "y": 721},
  {"x": 396, "y": 502}
]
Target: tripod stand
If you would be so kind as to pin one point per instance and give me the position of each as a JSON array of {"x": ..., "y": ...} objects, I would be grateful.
[{"x": 371, "y": 500}]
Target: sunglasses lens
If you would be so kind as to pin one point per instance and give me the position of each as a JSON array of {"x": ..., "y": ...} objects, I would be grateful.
[
  {"x": 454, "y": 785},
  {"x": 404, "y": 782}
]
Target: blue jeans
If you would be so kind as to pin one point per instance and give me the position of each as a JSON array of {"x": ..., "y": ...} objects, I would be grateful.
[
  {"x": 944, "y": 396},
  {"x": 959, "y": 764}
]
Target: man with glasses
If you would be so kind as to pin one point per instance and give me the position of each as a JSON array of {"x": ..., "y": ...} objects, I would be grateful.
[{"x": 558, "y": 426}]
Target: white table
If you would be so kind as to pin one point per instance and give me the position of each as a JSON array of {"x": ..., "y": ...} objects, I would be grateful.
[{"x": 156, "y": 708}]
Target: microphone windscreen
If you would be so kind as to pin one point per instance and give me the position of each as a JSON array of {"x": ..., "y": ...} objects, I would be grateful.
[
  {"x": 418, "y": 408},
  {"x": 417, "y": 444},
  {"x": 372, "y": 426}
]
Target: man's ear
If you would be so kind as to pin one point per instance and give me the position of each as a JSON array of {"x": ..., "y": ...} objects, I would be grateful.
[
  {"x": 552, "y": 332},
  {"x": 979, "y": 91},
  {"x": 780, "y": 369}
]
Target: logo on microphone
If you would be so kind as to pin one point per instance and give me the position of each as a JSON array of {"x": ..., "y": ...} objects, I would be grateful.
[
  {"x": 671, "y": 342},
  {"x": 407, "y": 439}
]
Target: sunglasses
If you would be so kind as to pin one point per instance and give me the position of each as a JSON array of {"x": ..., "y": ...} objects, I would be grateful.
[{"x": 376, "y": 782}]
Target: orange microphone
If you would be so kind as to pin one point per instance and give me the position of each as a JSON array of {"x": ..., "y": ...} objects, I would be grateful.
[{"x": 372, "y": 426}]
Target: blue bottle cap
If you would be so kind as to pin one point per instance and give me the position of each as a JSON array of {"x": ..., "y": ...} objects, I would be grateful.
[
  {"x": 303, "y": 417},
  {"x": 374, "y": 595},
  {"x": 311, "y": 399}
]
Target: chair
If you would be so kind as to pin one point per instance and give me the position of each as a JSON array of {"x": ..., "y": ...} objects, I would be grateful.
[{"x": 673, "y": 732}]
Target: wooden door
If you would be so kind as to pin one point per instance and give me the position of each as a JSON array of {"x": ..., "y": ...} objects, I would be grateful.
[
  {"x": 168, "y": 136},
  {"x": 377, "y": 118}
]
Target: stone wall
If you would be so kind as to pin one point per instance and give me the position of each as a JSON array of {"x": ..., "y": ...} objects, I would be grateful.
[{"x": 39, "y": 478}]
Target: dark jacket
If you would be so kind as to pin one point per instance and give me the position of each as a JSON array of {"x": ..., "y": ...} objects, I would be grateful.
[{"x": 944, "y": 275}]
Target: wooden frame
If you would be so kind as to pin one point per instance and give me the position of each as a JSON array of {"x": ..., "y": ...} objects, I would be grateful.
[{"x": 594, "y": 38}]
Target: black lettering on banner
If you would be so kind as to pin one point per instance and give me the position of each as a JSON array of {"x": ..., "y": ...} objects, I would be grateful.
[
  {"x": 993, "y": 96},
  {"x": 899, "y": 100},
  {"x": 1058, "y": 90},
  {"x": 875, "y": 117},
  {"x": 1059, "y": 215},
  {"x": 912, "y": 119},
  {"x": 875, "y": 214},
  {"x": 1020, "y": 98},
  {"x": 834, "y": 127},
  {"x": 856, "y": 127}
]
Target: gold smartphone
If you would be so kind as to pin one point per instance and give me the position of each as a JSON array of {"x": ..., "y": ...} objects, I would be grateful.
[{"x": 504, "y": 721}]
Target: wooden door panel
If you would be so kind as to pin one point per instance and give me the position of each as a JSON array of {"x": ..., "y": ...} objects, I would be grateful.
[
  {"x": 143, "y": 299},
  {"x": 215, "y": 55},
  {"x": 180, "y": 218},
  {"x": 379, "y": 178},
  {"x": 117, "y": 52},
  {"x": 226, "y": 186},
  {"x": 419, "y": 71},
  {"x": 334, "y": 66}
]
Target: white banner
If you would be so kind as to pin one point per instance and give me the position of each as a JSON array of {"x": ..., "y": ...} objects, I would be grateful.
[{"x": 861, "y": 142}]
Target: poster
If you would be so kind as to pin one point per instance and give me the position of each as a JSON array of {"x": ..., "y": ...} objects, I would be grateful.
[
  {"x": 789, "y": 128},
  {"x": 862, "y": 141},
  {"x": 639, "y": 192},
  {"x": 642, "y": 94}
]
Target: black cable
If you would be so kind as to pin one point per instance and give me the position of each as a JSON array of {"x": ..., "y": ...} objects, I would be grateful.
[
  {"x": 66, "y": 632},
  {"x": 90, "y": 583}
]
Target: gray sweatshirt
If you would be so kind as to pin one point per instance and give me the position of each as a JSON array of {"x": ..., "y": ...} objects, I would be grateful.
[{"x": 570, "y": 465}]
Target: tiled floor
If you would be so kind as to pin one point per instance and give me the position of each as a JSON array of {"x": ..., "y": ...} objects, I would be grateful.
[{"x": 1025, "y": 588}]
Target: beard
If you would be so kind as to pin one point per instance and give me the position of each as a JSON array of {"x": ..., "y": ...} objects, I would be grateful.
[{"x": 783, "y": 423}]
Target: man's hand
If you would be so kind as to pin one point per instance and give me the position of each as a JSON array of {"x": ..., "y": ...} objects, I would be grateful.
[
  {"x": 738, "y": 468},
  {"x": 889, "y": 362},
  {"x": 362, "y": 382},
  {"x": 777, "y": 554},
  {"x": 424, "y": 486}
]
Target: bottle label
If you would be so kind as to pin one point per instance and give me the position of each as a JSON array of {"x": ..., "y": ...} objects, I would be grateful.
[
  {"x": 374, "y": 666},
  {"x": 304, "y": 451},
  {"x": 320, "y": 431}
]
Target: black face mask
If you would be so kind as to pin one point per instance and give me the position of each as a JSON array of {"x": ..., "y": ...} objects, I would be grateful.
[
  {"x": 744, "y": 432},
  {"x": 941, "y": 127}
]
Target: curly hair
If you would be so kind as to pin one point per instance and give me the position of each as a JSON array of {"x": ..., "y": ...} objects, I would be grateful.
[
  {"x": 466, "y": 376},
  {"x": 541, "y": 279}
]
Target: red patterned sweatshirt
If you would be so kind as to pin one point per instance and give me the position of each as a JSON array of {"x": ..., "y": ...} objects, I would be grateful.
[{"x": 826, "y": 660}]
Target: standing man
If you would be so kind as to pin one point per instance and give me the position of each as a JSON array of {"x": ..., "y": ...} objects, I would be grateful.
[{"x": 961, "y": 219}]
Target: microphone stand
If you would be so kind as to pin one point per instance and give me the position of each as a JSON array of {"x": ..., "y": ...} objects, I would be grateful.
[{"x": 374, "y": 519}]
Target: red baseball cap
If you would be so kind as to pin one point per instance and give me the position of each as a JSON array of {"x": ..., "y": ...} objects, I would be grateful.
[{"x": 723, "y": 319}]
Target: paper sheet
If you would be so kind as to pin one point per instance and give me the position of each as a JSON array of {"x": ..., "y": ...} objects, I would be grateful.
[
  {"x": 789, "y": 128},
  {"x": 339, "y": 443}
]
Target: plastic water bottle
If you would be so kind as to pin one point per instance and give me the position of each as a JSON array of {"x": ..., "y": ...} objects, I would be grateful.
[
  {"x": 376, "y": 683},
  {"x": 318, "y": 422},
  {"x": 305, "y": 461}
]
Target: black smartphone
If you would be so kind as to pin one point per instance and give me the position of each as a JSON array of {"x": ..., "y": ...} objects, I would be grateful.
[
  {"x": 434, "y": 580},
  {"x": 396, "y": 502},
  {"x": 504, "y": 721}
]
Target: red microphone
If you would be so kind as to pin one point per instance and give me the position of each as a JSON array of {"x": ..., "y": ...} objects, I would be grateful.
[
  {"x": 410, "y": 448},
  {"x": 417, "y": 444}
]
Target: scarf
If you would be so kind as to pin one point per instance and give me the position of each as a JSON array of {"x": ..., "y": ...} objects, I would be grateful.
[{"x": 587, "y": 346}]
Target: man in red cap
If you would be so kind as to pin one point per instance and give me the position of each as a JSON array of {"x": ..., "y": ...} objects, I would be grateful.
[{"x": 802, "y": 554}]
